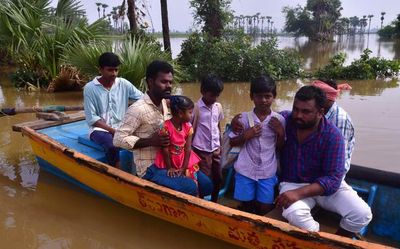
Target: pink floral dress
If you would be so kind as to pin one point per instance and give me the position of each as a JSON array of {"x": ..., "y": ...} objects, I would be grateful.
[{"x": 177, "y": 149}]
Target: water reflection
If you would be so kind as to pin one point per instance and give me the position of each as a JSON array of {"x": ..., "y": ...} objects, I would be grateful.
[{"x": 371, "y": 87}]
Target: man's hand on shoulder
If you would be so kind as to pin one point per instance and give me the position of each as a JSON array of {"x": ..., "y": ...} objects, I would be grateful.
[
  {"x": 236, "y": 125},
  {"x": 276, "y": 126}
]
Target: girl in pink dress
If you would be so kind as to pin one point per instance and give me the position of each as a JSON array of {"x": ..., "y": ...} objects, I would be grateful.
[{"x": 178, "y": 158}]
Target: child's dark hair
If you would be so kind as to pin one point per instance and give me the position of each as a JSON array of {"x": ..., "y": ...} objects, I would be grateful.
[
  {"x": 109, "y": 59},
  {"x": 212, "y": 83},
  {"x": 263, "y": 84},
  {"x": 307, "y": 93},
  {"x": 180, "y": 103}
]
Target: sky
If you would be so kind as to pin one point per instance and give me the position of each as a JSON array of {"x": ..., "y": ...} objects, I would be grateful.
[{"x": 180, "y": 14}]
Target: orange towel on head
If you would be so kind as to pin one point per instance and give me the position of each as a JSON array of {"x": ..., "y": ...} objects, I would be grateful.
[{"x": 330, "y": 92}]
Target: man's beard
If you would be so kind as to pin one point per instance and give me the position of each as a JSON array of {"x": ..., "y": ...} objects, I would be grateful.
[{"x": 305, "y": 125}]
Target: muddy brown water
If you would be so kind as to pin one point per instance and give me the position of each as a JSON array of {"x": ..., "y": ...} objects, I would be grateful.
[{"x": 38, "y": 210}]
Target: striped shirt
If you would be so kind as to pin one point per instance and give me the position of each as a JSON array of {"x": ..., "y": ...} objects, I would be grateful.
[
  {"x": 319, "y": 159},
  {"x": 109, "y": 105},
  {"x": 342, "y": 120},
  {"x": 142, "y": 120}
]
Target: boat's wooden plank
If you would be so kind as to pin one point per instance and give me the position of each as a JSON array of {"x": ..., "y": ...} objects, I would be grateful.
[{"x": 40, "y": 124}]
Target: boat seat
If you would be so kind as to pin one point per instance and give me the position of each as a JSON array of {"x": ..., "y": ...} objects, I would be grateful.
[
  {"x": 370, "y": 194},
  {"x": 229, "y": 173},
  {"x": 125, "y": 156}
]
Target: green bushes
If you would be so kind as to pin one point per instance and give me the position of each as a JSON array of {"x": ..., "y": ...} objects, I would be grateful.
[
  {"x": 234, "y": 58},
  {"x": 361, "y": 69},
  {"x": 36, "y": 36},
  {"x": 135, "y": 55}
]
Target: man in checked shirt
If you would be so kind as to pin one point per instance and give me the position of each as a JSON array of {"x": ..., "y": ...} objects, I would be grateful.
[{"x": 313, "y": 167}]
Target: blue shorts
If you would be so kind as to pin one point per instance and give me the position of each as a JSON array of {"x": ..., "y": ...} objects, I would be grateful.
[{"x": 247, "y": 189}]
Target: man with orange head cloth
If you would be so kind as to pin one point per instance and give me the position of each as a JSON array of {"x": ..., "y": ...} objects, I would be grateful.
[{"x": 338, "y": 116}]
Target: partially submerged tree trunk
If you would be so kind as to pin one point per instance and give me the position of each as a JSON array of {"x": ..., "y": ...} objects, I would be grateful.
[
  {"x": 132, "y": 17},
  {"x": 165, "y": 25},
  {"x": 213, "y": 21}
]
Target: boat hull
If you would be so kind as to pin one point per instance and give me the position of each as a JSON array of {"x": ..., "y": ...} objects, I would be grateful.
[{"x": 233, "y": 226}]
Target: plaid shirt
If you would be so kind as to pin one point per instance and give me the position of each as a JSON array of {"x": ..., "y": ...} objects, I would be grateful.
[
  {"x": 319, "y": 159},
  {"x": 342, "y": 120},
  {"x": 142, "y": 120}
]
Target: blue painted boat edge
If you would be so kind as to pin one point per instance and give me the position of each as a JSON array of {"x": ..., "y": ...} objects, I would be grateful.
[{"x": 59, "y": 173}]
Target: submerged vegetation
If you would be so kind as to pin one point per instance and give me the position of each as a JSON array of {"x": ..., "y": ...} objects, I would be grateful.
[
  {"x": 56, "y": 48},
  {"x": 392, "y": 30},
  {"x": 233, "y": 58},
  {"x": 361, "y": 69},
  {"x": 231, "y": 54}
]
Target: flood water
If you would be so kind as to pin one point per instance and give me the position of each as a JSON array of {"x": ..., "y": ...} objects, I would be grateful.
[{"x": 38, "y": 210}]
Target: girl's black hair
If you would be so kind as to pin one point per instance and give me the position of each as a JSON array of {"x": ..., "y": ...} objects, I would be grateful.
[{"x": 180, "y": 103}]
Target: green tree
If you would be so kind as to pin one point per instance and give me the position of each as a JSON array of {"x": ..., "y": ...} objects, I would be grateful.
[
  {"x": 298, "y": 21},
  {"x": 321, "y": 15},
  {"x": 214, "y": 15},
  {"x": 392, "y": 30}
]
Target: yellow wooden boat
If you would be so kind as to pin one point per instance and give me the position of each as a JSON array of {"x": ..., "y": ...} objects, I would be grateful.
[{"x": 56, "y": 146}]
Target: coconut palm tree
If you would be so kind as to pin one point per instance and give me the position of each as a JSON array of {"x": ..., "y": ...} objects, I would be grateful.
[
  {"x": 354, "y": 23},
  {"x": 104, "y": 6},
  {"x": 262, "y": 24},
  {"x": 98, "y": 8},
  {"x": 363, "y": 23},
  {"x": 165, "y": 25},
  {"x": 369, "y": 22},
  {"x": 269, "y": 21},
  {"x": 114, "y": 14},
  {"x": 272, "y": 26},
  {"x": 121, "y": 14},
  {"x": 382, "y": 18},
  {"x": 132, "y": 17}
]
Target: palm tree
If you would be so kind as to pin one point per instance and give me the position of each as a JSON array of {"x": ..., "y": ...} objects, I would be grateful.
[
  {"x": 121, "y": 14},
  {"x": 104, "y": 9},
  {"x": 269, "y": 21},
  {"x": 165, "y": 25},
  {"x": 132, "y": 17},
  {"x": 354, "y": 23},
  {"x": 363, "y": 23},
  {"x": 369, "y": 22},
  {"x": 382, "y": 18},
  {"x": 262, "y": 24},
  {"x": 115, "y": 16},
  {"x": 98, "y": 8},
  {"x": 248, "y": 22}
]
